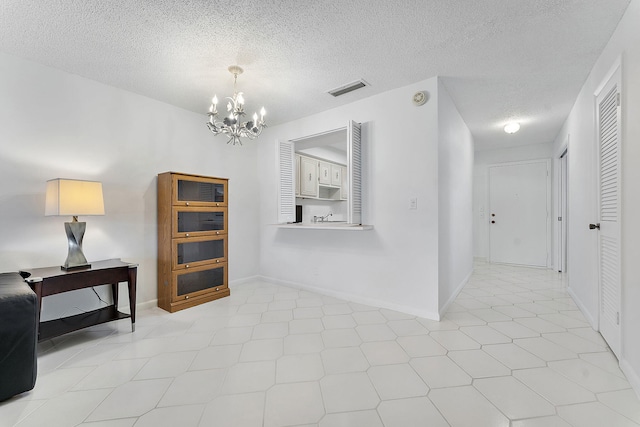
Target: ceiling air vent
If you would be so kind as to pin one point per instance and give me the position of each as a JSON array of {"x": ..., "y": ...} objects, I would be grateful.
[{"x": 350, "y": 87}]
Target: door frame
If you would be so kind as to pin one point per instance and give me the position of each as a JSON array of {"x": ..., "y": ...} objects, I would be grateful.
[
  {"x": 547, "y": 161},
  {"x": 561, "y": 207}
]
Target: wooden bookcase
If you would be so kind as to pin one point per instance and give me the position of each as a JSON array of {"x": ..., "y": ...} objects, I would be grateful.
[{"x": 192, "y": 240}]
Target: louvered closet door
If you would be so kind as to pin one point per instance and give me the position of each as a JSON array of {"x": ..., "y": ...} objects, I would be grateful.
[
  {"x": 608, "y": 126},
  {"x": 286, "y": 185},
  {"x": 354, "y": 153}
]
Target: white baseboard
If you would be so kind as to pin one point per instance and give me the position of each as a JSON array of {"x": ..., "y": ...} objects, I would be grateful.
[
  {"x": 632, "y": 375},
  {"x": 583, "y": 309},
  {"x": 123, "y": 305},
  {"x": 454, "y": 295},
  {"x": 147, "y": 305},
  {"x": 243, "y": 280},
  {"x": 355, "y": 298}
]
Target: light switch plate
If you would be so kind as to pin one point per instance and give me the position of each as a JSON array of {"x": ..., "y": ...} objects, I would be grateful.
[{"x": 413, "y": 203}]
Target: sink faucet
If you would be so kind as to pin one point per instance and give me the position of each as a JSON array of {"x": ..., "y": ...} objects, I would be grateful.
[{"x": 322, "y": 218}]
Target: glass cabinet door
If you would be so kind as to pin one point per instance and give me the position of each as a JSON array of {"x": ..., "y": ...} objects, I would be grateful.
[
  {"x": 192, "y": 252},
  {"x": 190, "y": 283},
  {"x": 199, "y": 221},
  {"x": 194, "y": 191}
]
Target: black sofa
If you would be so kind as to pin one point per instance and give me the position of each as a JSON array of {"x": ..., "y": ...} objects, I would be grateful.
[{"x": 18, "y": 336}]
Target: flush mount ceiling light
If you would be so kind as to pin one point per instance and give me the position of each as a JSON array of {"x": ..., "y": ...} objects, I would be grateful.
[
  {"x": 232, "y": 125},
  {"x": 512, "y": 127}
]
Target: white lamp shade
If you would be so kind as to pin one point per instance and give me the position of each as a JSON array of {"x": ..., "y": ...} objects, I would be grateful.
[{"x": 73, "y": 197}]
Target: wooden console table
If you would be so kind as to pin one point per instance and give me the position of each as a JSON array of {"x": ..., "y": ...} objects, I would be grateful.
[{"x": 53, "y": 280}]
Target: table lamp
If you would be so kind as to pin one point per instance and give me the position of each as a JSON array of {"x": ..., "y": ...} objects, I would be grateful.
[{"x": 74, "y": 197}]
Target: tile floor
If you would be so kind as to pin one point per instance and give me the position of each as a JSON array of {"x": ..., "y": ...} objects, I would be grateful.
[{"x": 513, "y": 350}]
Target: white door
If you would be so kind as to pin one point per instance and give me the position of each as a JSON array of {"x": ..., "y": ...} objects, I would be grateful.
[
  {"x": 519, "y": 213},
  {"x": 608, "y": 127}
]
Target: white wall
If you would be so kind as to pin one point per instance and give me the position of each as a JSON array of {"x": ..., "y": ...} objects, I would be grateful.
[
  {"x": 413, "y": 260},
  {"x": 396, "y": 264},
  {"x": 455, "y": 210},
  {"x": 56, "y": 124},
  {"x": 484, "y": 158},
  {"x": 582, "y": 246}
]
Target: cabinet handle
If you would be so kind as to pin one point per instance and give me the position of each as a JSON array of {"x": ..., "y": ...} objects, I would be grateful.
[
  {"x": 217, "y": 260},
  {"x": 309, "y": 176},
  {"x": 217, "y": 232},
  {"x": 186, "y": 235},
  {"x": 217, "y": 289},
  {"x": 217, "y": 204},
  {"x": 186, "y": 266},
  {"x": 186, "y": 204},
  {"x": 187, "y": 297}
]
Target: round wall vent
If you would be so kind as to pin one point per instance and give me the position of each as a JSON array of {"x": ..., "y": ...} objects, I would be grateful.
[{"x": 419, "y": 98}]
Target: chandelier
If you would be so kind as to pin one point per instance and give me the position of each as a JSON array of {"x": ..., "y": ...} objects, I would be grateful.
[{"x": 232, "y": 125}]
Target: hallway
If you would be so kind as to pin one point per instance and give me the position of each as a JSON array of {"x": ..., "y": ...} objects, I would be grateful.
[{"x": 513, "y": 350}]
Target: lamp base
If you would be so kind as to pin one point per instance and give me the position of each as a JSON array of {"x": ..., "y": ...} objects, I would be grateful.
[
  {"x": 75, "y": 267},
  {"x": 75, "y": 258}
]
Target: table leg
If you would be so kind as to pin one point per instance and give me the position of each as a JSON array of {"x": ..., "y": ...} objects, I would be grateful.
[
  {"x": 114, "y": 291},
  {"x": 133, "y": 273},
  {"x": 37, "y": 288}
]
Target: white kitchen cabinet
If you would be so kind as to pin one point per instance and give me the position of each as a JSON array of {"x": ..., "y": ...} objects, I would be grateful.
[
  {"x": 325, "y": 173},
  {"x": 308, "y": 177},
  {"x": 336, "y": 175}
]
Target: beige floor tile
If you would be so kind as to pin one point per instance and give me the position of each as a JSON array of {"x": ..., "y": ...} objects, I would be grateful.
[
  {"x": 238, "y": 410},
  {"x": 593, "y": 414},
  {"x": 513, "y": 398},
  {"x": 368, "y": 418},
  {"x": 197, "y": 387},
  {"x": 348, "y": 392},
  {"x": 184, "y": 416},
  {"x": 513, "y": 356},
  {"x": 478, "y": 364},
  {"x": 553, "y": 386},
  {"x": 475, "y": 411},
  {"x": 414, "y": 412},
  {"x": 384, "y": 353},
  {"x": 440, "y": 371},
  {"x": 397, "y": 382},
  {"x": 293, "y": 404}
]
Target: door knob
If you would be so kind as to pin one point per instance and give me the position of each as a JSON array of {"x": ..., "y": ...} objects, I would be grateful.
[{"x": 594, "y": 226}]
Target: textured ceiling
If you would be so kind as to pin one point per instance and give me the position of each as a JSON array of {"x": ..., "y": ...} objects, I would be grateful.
[{"x": 499, "y": 59}]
